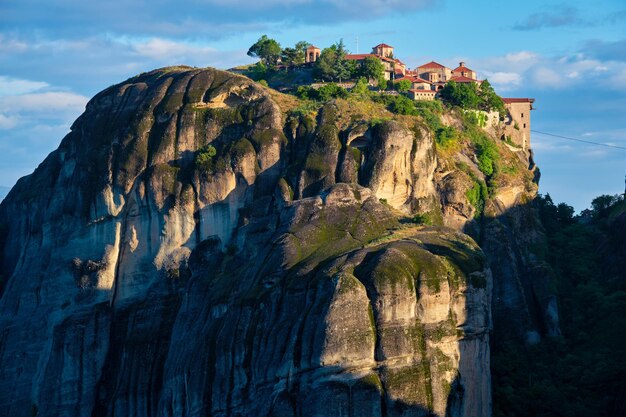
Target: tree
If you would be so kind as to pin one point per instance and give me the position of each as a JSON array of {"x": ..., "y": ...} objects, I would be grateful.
[
  {"x": 295, "y": 55},
  {"x": 257, "y": 71},
  {"x": 463, "y": 95},
  {"x": 266, "y": 49},
  {"x": 489, "y": 100},
  {"x": 372, "y": 68},
  {"x": 361, "y": 87},
  {"x": 403, "y": 86},
  {"x": 601, "y": 205},
  {"x": 204, "y": 157},
  {"x": 332, "y": 64}
]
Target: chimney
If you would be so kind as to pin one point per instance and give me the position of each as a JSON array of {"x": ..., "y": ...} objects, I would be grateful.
[{"x": 461, "y": 64}]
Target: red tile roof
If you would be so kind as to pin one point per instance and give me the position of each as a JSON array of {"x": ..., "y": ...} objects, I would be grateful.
[
  {"x": 413, "y": 79},
  {"x": 462, "y": 79},
  {"x": 312, "y": 47},
  {"x": 358, "y": 57},
  {"x": 518, "y": 100},
  {"x": 462, "y": 69},
  {"x": 383, "y": 45},
  {"x": 432, "y": 64}
]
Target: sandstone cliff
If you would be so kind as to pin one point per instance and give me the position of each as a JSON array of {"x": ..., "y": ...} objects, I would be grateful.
[{"x": 285, "y": 277}]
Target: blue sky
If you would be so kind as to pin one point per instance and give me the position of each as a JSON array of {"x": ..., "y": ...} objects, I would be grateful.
[{"x": 571, "y": 57}]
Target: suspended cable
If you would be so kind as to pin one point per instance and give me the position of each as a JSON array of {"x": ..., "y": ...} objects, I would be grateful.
[{"x": 579, "y": 140}]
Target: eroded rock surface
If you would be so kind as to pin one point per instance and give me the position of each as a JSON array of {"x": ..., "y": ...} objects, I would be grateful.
[{"x": 270, "y": 281}]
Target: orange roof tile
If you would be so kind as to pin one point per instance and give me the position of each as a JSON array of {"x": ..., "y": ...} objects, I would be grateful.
[
  {"x": 461, "y": 79},
  {"x": 461, "y": 69},
  {"x": 432, "y": 64},
  {"x": 518, "y": 100},
  {"x": 358, "y": 57},
  {"x": 383, "y": 45}
]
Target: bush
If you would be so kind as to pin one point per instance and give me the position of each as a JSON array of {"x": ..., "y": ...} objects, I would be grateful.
[
  {"x": 488, "y": 155},
  {"x": 324, "y": 93},
  {"x": 361, "y": 88},
  {"x": 258, "y": 71},
  {"x": 446, "y": 135},
  {"x": 477, "y": 195},
  {"x": 330, "y": 91},
  {"x": 403, "y": 86},
  {"x": 469, "y": 96},
  {"x": 204, "y": 157},
  {"x": 402, "y": 105}
]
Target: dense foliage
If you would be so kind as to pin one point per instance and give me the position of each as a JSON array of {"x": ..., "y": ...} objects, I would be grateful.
[
  {"x": 372, "y": 69},
  {"x": 469, "y": 96},
  {"x": 582, "y": 373},
  {"x": 295, "y": 55},
  {"x": 204, "y": 157},
  {"x": 324, "y": 93},
  {"x": 266, "y": 49},
  {"x": 332, "y": 64},
  {"x": 403, "y": 86}
]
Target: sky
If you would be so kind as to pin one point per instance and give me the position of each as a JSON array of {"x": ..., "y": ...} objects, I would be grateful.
[{"x": 570, "y": 57}]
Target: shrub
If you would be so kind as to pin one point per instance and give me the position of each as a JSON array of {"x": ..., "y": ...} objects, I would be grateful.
[
  {"x": 204, "y": 157},
  {"x": 330, "y": 91},
  {"x": 324, "y": 93},
  {"x": 361, "y": 87},
  {"x": 403, "y": 86},
  {"x": 487, "y": 154},
  {"x": 446, "y": 135},
  {"x": 477, "y": 195},
  {"x": 402, "y": 105}
]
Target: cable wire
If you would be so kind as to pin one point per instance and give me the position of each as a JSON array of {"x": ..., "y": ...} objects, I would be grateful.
[{"x": 579, "y": 140}]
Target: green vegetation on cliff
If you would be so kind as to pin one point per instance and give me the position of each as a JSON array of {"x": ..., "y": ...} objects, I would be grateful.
[{"x": 582, "y": 373}]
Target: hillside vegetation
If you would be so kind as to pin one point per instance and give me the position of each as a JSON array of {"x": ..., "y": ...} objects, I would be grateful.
[{"x": 583, "y": 372}]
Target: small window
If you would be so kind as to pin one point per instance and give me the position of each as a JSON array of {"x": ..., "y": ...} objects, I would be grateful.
[
  {"x": 524, "y": 125},
  {"x": 522, "y": 115}
]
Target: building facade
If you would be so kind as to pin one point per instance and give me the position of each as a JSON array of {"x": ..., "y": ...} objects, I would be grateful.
[
  {"x": 517, "y": 121},
  {"x": 312, "y": 54},
  {"x": 434, "y": 72}
]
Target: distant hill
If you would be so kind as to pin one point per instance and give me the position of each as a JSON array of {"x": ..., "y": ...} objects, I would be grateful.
[{"x": 4, "y": 191}]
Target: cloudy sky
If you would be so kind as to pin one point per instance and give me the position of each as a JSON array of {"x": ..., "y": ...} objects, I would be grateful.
[{"x": 571, "y": 57}]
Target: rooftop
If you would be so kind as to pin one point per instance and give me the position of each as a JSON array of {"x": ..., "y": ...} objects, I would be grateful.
[
  {"x": 461, "y": 79},
  {"x": 432, "y": 64},
  {"x": 518, "y": 100},
  {"x": 363, "y": 56},
  {"x": 461, "y": 69}
]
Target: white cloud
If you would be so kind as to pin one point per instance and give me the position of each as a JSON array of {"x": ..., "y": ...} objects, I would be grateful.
[
  {"x": 521, "y": 56},
  {"x": 619, "y": 78},
  {"x": 504, "y": 80},
  {"x": 27, "y": 111},
  {"x": 7, "y": 122},
  {"x": 14, "y": 86},
  {"x": 163, "y": 49},
  {"x": 547, "y": 77},
  {"x": 43, "y": 102},
  {"x": 529, "y": 69}
]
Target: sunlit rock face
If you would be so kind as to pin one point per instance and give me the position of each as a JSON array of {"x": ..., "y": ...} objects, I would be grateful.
[{"x": 272, "y": 279}]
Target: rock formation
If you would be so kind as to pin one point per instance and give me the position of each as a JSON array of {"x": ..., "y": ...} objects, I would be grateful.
[{"x": 278, "y": 277}]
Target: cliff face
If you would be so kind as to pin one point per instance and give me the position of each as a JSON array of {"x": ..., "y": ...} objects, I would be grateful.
[{"x": 277, "y": 278}]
